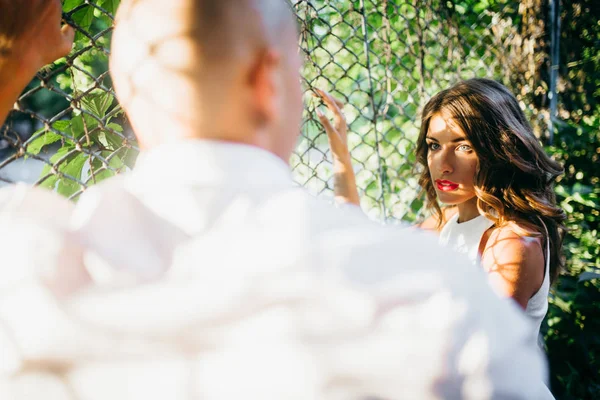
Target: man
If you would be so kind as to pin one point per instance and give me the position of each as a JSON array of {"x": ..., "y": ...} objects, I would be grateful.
[{"x": 212, "y": 275}]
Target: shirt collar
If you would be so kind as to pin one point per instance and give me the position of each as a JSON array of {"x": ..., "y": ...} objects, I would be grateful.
[{"x": 212, "y": 163}]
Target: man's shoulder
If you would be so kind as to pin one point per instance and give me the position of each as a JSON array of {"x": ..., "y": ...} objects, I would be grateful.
[
  {"x": 320, "y": 214},
  {"x": 111, "y": 217}
]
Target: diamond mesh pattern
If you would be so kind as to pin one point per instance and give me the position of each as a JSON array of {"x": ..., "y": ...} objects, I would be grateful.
[{"x": 383, "y": 59}]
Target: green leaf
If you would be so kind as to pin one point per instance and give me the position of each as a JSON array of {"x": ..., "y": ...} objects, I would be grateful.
[
  {"x": 461, "y": 9},
  {"x": 560, "y": 303},
  {"x": 74, "y": 166},
  {"x": 90, "y": 123},
  {"x": 35, "y": 147},
  {"x": 114, "y": 141},
  {"x": 62, "y": 125},
  {"x": 83, "y": 19},
  {"x": 68, "y": 5},
  {"x": 66, "y": 186},
  {"x": 78, "y": 128},
  {"x": 115, "y": 112},
  {"x": 115, "y": 162},
  {"x": 481, "y": 6},
  {"x": 130, "y": 157},
  {"x": 115, "y": 127},
  {"x": 48, "y": 137},
  {"x": 103, "y": 175},
  {"x": 586, "y": 202},
  {"x": 416, "y": 205},
  {"x": 109, "y": 139},
  {"x": 567, "y": 207},
  {"x": 50, "y": 183},
  {"x": 63, "y": 151},
  {"x": 97, "y": 103},
  {"x": 45, "y": 171},
  {"x": 109, "y": 5},
  {"x": 103, "y": 141}
]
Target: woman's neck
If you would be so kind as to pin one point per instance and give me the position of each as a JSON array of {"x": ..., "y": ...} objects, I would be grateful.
[{"x": 468, "y": 210}]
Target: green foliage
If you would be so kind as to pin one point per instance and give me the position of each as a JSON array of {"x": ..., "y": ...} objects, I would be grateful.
[
  {"x": 572, "y": 333},
  {"x": 572, "y": 338},
  {"x": 384, "y": 59},
  {"x": 89, "y": 128},
  {"x": 87, "y": 139}
]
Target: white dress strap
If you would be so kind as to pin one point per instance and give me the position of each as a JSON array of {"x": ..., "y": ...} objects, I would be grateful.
[
  {"x": 537, "y": 306},
  {"x": 547, "y": 266}
]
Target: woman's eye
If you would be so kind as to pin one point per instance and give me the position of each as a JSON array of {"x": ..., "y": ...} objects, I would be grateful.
[
  {"x": 434, "y": 146},
  {"x": 465, "y": 147}
]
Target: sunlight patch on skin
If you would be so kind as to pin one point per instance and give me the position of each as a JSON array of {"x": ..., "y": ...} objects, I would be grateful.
[{"x": 445, "y": 124}]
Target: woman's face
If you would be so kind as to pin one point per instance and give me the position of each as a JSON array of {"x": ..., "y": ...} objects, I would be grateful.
[{"x": 451, "y": 160}]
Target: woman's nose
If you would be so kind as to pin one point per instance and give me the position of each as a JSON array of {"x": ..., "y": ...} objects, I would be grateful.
[{"x": 445, "y": 164}]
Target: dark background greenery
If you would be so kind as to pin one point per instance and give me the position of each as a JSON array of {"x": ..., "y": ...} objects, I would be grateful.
[{"x": 573, "y": 331}]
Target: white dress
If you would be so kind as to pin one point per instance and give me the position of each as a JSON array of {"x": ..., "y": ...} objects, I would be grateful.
[{"x": 466, "y": 237}]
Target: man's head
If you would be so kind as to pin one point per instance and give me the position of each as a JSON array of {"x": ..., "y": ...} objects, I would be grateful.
[{"x": 223, "y": 70}]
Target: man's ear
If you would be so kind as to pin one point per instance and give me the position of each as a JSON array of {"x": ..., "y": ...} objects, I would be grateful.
[{"x": 264, "y": 84}]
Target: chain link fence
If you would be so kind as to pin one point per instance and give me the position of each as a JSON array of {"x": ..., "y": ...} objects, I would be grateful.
[
  {"x": 68, "y": 132},
  {"x": 384, "y": 59}
]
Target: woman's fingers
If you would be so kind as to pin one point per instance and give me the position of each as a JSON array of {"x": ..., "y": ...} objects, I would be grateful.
[
  {"x": 329, "y": 129},
  {"x": 334, "y": 105},
  {"x": 337, "y": 133},
  {"x": 337, "y": 101},
  {"x": 338, "y": 145},
  {"x": 335, "y": 140}
]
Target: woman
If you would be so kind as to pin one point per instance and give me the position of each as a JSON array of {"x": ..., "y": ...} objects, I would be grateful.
[{"x": 483, "y": 162}]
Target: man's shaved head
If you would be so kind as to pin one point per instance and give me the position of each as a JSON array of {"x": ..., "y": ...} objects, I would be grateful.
[
  {"x": 191, "y": 60},
  {"x": 223, "y": 28}
]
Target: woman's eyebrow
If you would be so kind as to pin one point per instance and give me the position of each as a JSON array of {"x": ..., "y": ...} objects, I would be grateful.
[{"x": 455, "y": 140}]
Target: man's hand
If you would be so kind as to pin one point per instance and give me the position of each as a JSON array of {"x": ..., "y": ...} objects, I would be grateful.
[{"x": 31, "y": 36}]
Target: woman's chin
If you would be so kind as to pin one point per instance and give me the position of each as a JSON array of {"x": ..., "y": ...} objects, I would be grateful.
[{"x": 452, "y": 198}]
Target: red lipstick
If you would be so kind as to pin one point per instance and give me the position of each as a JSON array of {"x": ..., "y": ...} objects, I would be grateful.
[{"x": 446, "y": 186}]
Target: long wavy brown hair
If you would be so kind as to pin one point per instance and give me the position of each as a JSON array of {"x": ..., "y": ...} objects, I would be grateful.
[{"x": 515, "y": 177}]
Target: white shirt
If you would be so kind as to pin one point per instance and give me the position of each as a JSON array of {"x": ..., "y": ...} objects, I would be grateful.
[{"x": 217, "y": 277}]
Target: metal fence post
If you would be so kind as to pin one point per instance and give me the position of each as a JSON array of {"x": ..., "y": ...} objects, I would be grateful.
[{"x": 554, "y": 65}]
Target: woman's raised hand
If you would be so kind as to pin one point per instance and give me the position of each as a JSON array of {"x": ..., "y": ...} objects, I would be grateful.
[
  {"x": 338, "y": 132},
  {"x": 344, "y": 186}
]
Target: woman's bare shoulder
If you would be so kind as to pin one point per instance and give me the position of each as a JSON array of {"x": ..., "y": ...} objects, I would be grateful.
[
  {"x": 514, "y": 255},
  {"x": 514, "y": 238}
]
